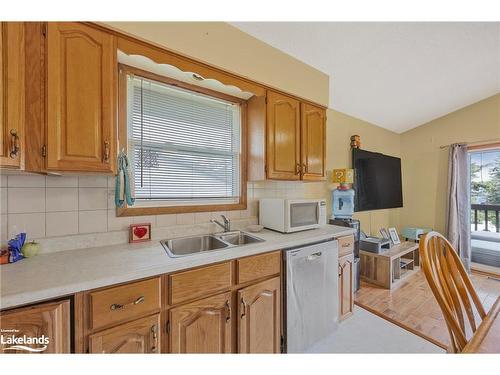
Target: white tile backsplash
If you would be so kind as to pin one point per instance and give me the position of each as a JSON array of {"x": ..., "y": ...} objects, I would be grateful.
[
  {"x": 69, "y": 212},
  {"x": 3, "y": 200},
  {"x": 61, "y": 199},
  {"x": 33, "y": 224},
  {"x": 93, "y": 181},
  {"x": 26, "y": 200},
  {"x": 3, "y": 230},
  {"x": 118, "y": 223},
  {"x": 62, "y": 181},
  {"x": 166, "y": 220},
  {"x": 185, "y": 219},
  {"x": 26, "y": 181},
  {"x": 90, "y": 198},
  {"x": 61, "y": 223},
  {"x": 93, "y": 221}
]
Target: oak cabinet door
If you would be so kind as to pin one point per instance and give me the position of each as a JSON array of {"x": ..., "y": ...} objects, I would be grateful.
[
  {"x": 12, "y": 95},
  {"x": 259, "y": 318},
  {"x": 283, "y": 137},
  {"x": 50, "y": 321},
  {"x": 141, "y": 336},
  {"x": 346, "y": 295},
  {"x": 81, "y": 87},
  {"x": 313, "y": 140},
  {"x": 203, "y": 326}
]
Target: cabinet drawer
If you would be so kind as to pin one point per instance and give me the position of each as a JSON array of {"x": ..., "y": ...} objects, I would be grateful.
[
  {"x": 258, "y": 266},
  {"x": 346, "y": 245},
  {"x": 189, "y": 285},
  {"x": 124, "y": 302}
]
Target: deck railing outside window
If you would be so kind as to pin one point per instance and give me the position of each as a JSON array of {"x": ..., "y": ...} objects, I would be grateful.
[{"x": 486, "y": 215}]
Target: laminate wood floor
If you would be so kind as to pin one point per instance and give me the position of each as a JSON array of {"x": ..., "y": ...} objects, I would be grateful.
[{"x": 412, "y": 306}]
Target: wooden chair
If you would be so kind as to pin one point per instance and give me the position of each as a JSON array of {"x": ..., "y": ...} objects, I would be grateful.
[{"x": 452, "y": 288}]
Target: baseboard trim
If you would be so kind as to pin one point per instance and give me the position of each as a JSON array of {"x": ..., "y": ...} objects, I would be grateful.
[
  {"x": 399, "y": 324},
  {"x": 481, "y": 269}
]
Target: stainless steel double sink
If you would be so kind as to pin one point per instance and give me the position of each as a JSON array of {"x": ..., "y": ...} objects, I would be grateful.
[{"x": 182, "y": 246}]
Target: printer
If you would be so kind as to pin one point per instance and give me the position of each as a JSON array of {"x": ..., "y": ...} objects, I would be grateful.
[{"x": 374, "y": 244}]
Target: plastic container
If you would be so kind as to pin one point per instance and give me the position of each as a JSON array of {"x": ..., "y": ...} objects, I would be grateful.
[{"x": 342, "y": 203}]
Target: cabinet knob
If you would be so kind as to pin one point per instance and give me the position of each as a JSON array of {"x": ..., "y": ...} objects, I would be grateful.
[
  {"x": 106, "y": 152},
  {"x": 14, "y": 144}
]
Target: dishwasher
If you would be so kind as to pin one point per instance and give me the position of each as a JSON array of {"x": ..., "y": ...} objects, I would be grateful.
[{"x": 311, "y": 297}]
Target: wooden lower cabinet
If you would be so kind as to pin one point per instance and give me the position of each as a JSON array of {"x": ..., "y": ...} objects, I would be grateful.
[
  {"x": 49, "y": 320},
  {"x": 259, "y": 317},
  {"x": 140, "y": 336},
  {"x": 346, "y": 295},
  {"x": 203, "y": 326}
]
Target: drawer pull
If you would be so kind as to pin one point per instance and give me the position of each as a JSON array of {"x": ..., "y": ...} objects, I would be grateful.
[{"x": 118, "y": 306}]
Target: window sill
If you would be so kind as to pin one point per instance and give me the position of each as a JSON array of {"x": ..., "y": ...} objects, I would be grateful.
[{"x": 142, "y": 211}]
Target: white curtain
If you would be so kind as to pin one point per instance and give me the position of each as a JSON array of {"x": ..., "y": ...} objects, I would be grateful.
[{"x": 458, "y": 202}]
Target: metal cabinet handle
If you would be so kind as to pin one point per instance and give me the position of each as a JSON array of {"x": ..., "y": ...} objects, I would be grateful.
[
  {"x": 228, "y": 312},
  {"x": 153, "y": 332},
  {"x": 14, "y": 144},
  {"x": 243, "y": 308},
  {"x": 304, "y": 168},
  {"x": 297, "y": 168},
  {"x": 118, "y": 306},
  {"x": 314, "y": 256},
  {"x": 106, "y": 152}
]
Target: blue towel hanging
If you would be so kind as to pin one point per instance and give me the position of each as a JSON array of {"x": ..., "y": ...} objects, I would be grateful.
[{"x": 123, "y": 189}]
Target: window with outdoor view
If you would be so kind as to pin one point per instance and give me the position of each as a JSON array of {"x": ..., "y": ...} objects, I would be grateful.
[{"x": 184, "y": 146}]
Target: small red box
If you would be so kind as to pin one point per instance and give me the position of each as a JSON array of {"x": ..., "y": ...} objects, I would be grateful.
[{"x": 140, "y": 233}]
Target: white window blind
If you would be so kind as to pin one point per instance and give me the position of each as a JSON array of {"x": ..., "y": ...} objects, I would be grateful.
[{"x": 184, "y": 147}]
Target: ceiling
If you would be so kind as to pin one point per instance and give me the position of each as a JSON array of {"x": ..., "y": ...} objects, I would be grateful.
[{"x": 395, "y": 75}]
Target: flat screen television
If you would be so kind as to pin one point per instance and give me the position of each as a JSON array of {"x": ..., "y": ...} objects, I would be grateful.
[{"x": 377, "y": 180}]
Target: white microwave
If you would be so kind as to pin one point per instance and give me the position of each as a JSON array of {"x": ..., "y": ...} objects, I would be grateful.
[{"x": 292, "y": 215}]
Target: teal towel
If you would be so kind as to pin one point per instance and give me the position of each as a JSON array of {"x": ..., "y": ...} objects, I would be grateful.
[{"x": 124, "y": 191}]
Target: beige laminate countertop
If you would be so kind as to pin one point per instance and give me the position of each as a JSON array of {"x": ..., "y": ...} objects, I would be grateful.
[{"x": 63, "y": 273}]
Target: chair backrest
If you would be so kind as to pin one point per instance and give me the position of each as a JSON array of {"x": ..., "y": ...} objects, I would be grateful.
[{"x": 452, "y": 288}]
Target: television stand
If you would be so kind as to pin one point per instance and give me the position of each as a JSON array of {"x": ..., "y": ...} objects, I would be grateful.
[{"x": 388, "y": 268}]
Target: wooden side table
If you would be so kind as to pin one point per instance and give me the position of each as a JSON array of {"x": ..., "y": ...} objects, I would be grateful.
[{"x": 387, "y": 269}]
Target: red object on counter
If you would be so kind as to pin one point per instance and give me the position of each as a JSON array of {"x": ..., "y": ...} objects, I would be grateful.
[{"x": 4, "y": 256}]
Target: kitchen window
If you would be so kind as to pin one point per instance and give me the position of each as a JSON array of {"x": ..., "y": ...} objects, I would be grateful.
[{"x": 185, "y": 145}]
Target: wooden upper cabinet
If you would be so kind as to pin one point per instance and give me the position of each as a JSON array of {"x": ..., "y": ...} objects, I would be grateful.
[
  {"x": 203, "y": 326},
  {"x": 140, "y": 336},
  {"x": 12, "y": 95},
  {"x": 313, "y": 140},
  {"x": 283, "y": 137},
  {"x": 81, "y": 98},
  {"x": 51, "y": 320},
  {"x": 259, "y": 318}
]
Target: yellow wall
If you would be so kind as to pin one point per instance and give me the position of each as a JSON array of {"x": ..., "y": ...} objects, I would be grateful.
[
  {"x": 225, "y": 46},
  {"x": 425, "y": 165},
  {"x": 340, "y": 127}
]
